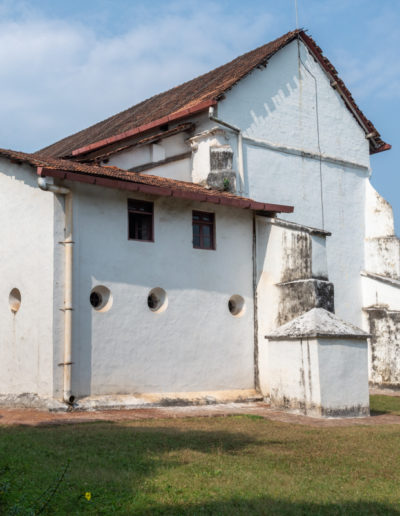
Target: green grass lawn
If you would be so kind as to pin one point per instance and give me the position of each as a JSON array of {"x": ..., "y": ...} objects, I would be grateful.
[
  {"x": 385, "y": 404},
  {"x": 220, "y": 465}
]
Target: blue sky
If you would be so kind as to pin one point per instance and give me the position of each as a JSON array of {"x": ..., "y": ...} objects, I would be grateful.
[{"x": 67, "y": 64}]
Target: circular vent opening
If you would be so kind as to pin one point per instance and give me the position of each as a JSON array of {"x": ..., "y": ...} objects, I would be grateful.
[
  {"x": 236, "y": 305},
  {"x": 100, "y": 298},
  {"x": 14, "y": 300},
  {"x": 157, "y": 300}
]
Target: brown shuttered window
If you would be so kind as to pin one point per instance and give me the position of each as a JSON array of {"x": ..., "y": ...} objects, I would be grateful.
[
  {"x": 203, "y": 230},
  {"x": 140, "y": 220}
]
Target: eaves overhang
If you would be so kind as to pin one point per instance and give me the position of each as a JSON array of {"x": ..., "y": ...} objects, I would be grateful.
[
  {"x": 168, "y": 188},
  {"x": 174, "y": 117}
]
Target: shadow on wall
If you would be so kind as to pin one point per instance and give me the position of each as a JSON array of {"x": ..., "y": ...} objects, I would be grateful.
[
  {"x": 198, "y": 284},
  {"x": 275, "y": 99},
  {"x": 281, "y": 89}
]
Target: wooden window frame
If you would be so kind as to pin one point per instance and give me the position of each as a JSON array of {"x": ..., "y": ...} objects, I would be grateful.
[
  {"x": 148, "y": 213},
  {"x": 203, "y": 223}
]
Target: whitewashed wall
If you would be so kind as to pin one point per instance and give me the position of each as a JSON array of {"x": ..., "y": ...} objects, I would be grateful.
[
  {"x": 319, "y": 376},
  {"x": 26, "y": 263},
  {"x": 195, "y": 344},
  {"x": 166, "y": 148},
  {"x": 291, "y": 279},
  {"x": 273, "y": 105}
]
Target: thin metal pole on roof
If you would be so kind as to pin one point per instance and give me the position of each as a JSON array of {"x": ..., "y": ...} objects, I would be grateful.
[{"x": 297, "y": 14}]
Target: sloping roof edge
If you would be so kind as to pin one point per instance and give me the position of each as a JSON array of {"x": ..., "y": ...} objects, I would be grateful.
[
  {"x": 114, "y": 177},
  {"x": 317, "y": 323},
  {"x": 199, "y": 94},
  {"x": 174, "y": 117},
  {"x": 376, "y": 143}
]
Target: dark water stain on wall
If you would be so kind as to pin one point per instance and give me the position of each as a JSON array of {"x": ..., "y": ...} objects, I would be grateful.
[
  {"x": 298, "y": 297},
  {"x": 221, "y": 158},
  {"x": 297, "y": 256}
]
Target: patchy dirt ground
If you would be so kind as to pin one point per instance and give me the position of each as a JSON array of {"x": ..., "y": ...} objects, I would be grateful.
[
  {"x": 34, "y": 417},
  {"x": 384, "y": 391}
]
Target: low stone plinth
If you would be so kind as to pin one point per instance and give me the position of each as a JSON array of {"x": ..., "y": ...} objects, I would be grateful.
[{"x": 317, "y": 364}]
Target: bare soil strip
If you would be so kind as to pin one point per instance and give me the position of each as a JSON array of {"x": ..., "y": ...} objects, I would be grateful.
[{"x": 34, "y": 417}]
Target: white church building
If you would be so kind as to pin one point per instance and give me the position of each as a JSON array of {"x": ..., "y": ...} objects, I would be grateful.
[{"x": 217, "y": 242}]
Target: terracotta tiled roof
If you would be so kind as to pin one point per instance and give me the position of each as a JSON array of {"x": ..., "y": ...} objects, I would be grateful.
[
  {"x": 197, "y": 95},
  {"x": 114, "y": 177},
  {"x": 205, "y": 88}
]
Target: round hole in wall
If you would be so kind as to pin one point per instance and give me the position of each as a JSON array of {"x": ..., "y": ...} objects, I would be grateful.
[
  {"x": 14, "y": 300},
  {"x": 100, "y": 298},
  {"x": 96, "y": 299},
  {"x": 236, "y": 305},
  {"x": 157, "y": 300}
]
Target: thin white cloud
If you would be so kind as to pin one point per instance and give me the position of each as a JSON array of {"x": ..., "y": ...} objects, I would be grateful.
[
  {"x": 372, "y": 71},
  {"x": 57, "y": 77}
]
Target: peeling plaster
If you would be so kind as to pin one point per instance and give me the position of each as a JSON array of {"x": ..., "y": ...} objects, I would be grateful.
[{"x": 384, "y": 327}]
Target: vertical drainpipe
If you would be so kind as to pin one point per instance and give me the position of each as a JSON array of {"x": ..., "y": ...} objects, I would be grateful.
[
  {"x": 240, "y": 162},
  {"x": 68, "y": 307},
  {"x": 68, "y": 265},
  {"x": 255, "y": 305}
]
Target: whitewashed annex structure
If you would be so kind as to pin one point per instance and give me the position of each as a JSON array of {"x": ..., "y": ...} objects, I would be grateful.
[{"x": 219, "y": 241}]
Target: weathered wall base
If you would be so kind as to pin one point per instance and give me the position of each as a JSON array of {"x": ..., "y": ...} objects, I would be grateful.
[
  {"x": 312, "y": 410},
  {"x": 31, "y": 400},
  {"x": 167, "y": 399},
  {"x": 139, "y": 400},
  {"x": 318, "y": 365}
]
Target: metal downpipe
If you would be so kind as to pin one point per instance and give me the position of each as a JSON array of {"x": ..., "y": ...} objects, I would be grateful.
[{"x": 68, "y": 264}]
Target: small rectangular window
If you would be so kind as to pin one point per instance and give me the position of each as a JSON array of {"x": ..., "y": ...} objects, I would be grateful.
[
  {"x": 203, "y": 230},
  {"x": 140, "y": 220}
]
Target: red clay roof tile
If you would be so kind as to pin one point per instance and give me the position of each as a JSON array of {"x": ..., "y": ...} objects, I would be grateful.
[
  {"x": 117, "y": 178},
  {"x": 196, "y": 95}
]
